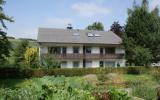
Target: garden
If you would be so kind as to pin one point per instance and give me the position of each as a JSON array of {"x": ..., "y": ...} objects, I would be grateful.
[{"x": 131, "y": 83}]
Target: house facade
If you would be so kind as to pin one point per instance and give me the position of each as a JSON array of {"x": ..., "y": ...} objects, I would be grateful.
[{"x": 82, "y": 48}]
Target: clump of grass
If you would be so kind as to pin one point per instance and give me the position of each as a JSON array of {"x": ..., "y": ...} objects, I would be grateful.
[{"x": 144, "y": 91}]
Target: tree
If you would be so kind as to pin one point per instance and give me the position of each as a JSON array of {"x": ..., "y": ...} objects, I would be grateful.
[
  {"x": 96, "y": 26},
  {"x": 141, "y": 56},
  {"x": 4, "y": 43},
  {"x": 49, "y": 61},
  {"x": 19, "y": 53},
  {"x": 31, "y": 57},
  {"x": 117, "y": 28},
  {"x": 142, "y": 30}
]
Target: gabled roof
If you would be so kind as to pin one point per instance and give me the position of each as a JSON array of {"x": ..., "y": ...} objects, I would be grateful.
[{"x": 77, "y": 36}]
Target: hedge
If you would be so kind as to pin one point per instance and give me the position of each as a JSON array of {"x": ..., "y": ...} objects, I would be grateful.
[{"x": 27, "y": 73}]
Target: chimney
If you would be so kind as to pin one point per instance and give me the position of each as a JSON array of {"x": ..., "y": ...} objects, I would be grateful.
[{"x": 69, "y": 26}]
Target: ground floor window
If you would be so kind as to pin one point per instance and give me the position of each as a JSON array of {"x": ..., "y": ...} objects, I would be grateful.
[
  {"x": 75, "y": 64},
  {"x": 109, "y": 63},
  {"x": 101, "y": 64},
  {"x": 64, "y": 64},
  {"x": 88, "y": 64}
]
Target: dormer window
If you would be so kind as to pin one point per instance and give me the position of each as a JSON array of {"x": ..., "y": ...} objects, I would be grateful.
[
  {"x": 97, "y": 35},
  {"x": 90, "y": 34},
  {"x": 76, "y": 34}
]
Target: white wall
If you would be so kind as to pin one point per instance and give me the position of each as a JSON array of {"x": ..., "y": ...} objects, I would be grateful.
[
  {"x": 121, "y": 62},
  {"x": 69, "y": 49},
  {"x": 43, "y": 49},
  {"x": 95, "y": 50},
  {"x": 70, "y": 63},
  {"x": 95, "y": 63},
  {"x": 120, "y": 51}
]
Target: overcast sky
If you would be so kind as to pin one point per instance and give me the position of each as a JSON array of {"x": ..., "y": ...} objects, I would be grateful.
[{"x": 29, "y": 15}]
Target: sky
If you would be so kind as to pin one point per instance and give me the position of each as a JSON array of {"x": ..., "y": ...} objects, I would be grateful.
[{"x": 29, "y": 15}]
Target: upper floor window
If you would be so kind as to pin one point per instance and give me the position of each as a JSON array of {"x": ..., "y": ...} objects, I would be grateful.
[
  {"x": 101, "y": 51},
  {"x": 64, "y": 50},
  {"x": 55, "y": 50},
  {"x": 75, "y": 49},
  {"x": 109, "y": 50},
  {"x": 88, "y": 50}
]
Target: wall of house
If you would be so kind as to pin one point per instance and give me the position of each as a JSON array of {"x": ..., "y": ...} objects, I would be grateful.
[
  {"x": 95, "y": 50},
  {"x": 95, "y": 63},
  {"x": 43, "y": 49},
  {"x": 70, "y": 63},
  {"x": 70, "y": 49},
  {"x": 120, "y": 51}
]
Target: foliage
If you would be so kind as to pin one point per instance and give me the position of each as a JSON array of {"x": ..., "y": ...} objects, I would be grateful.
[
  {"x": 141, "y": 56},
  {"x": 118, "y": 95},
  {"x": 142, "y": 33},
  {"x": 31, "y": 57},
  {"x": 4, "y": 43},
  {"x": 96, "y": 26},
  {"x": 117, "y": 28},
  {"x": 133, "y": 70},
  {"x": 146, "y": 91},
  {"x": 50, "y": 61},
  {"x": 50, "y": 88},
  {"x": 19, "y": 53}
]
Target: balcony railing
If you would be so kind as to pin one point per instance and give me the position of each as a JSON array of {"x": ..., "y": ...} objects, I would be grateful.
[{"x": 88, "y": 56}]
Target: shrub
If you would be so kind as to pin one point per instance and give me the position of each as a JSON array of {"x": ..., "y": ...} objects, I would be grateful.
[
  {"x": 144, "y": 91},
  {"x": 31, "y": 57},
  {"x": 50, "y": 88},
  {"x": 118, "y": 95},
  {"x": 134, "y": 70}
]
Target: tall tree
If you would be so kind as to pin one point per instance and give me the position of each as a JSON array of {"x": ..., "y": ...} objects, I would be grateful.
[
  {"x": 96, "y": 26},
  {"x": 19, "y": 53},
  {"x": 117, "y": 28},
  {"x": 4, "y": 43},
  {"x": 143, "y": 31}
]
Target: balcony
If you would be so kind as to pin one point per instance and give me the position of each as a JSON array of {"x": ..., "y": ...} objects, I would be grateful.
[{"x": 88, "y": 56}]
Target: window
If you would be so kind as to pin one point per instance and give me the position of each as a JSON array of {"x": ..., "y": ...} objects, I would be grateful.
[
  {"x": 97, "y": 35},
  {"x": 101, "y": 64},
  {"x": 64, "y": 49},
  {"x": 76, "y": 34},
  {"x": 75, "y": 49},
  {"x": 55, "y": 50},
  {"x": 90, "y": 34},
  {"x": 101, "y": 51},
  {"x": 88, "y": 64},
  {"x": 110, "y": 50},
  {"x": 109, "y": 63},
  {"x": 76, "y": 64},
  {"x": 88, "y": 50},
  {"x": 64, "y": 64}
]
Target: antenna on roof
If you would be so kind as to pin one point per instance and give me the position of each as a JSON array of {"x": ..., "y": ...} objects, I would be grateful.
[{"x": 69, "y": 26}]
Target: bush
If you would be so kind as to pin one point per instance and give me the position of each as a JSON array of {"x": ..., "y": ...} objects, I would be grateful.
[
  {"x": 134, "y": 70},
  {"x": 118, "y": 95},
  {"x": 144, "y": 91},
  {"x": 50, "y": 88},
  {"x": 11, "y": 72}
]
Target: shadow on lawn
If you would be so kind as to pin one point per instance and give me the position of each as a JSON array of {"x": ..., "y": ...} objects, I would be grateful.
[{"x": 10, "y": 83}]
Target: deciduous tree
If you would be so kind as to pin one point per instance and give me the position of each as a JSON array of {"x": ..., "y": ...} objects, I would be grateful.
[{"x": 96, "y": 26}]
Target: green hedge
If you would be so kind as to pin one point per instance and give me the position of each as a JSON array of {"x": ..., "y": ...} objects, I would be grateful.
[{"x": 27, "y": 73}]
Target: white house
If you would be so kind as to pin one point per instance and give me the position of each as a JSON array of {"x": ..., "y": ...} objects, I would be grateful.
[{"x": 76, "y": 48}]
